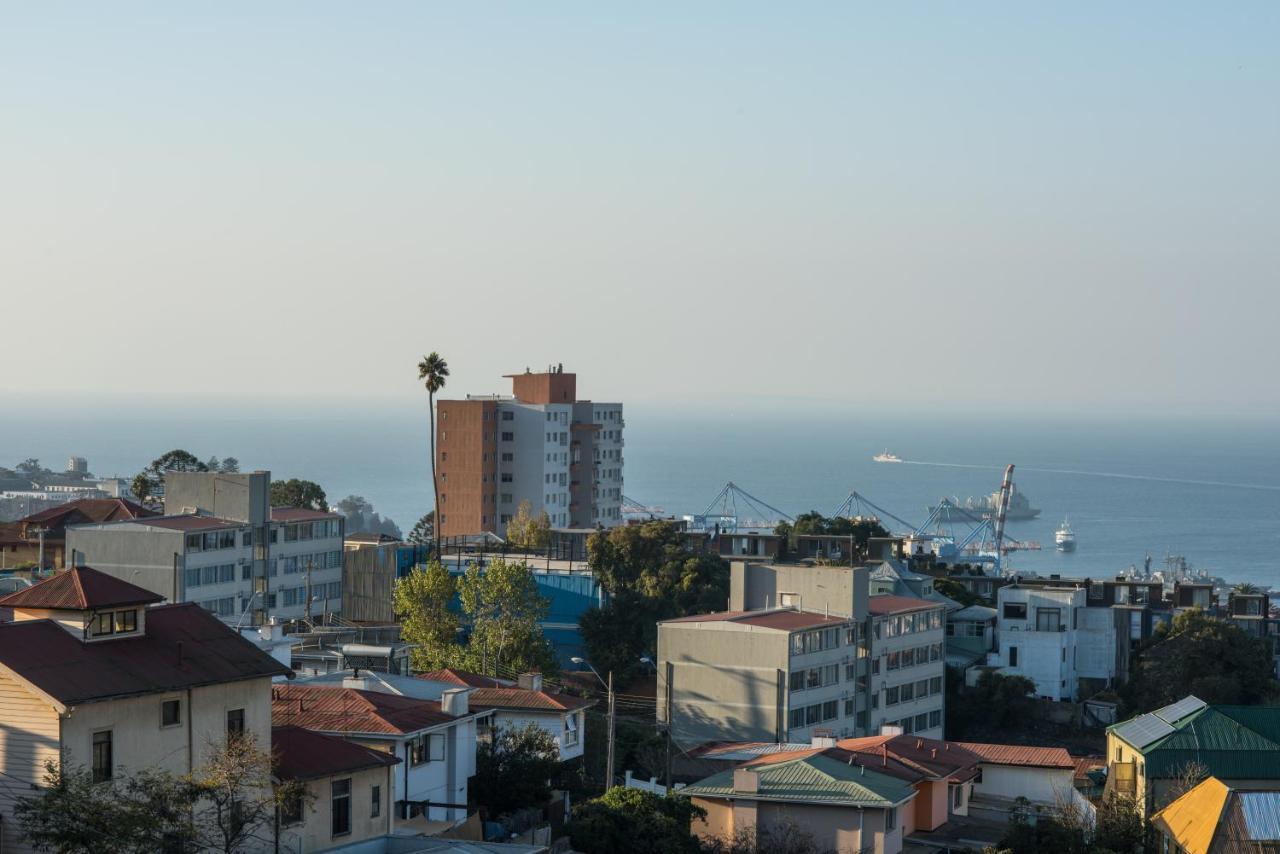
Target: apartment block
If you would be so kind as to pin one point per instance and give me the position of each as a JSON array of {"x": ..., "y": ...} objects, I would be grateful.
[
  {"x": 221, "y": 544},
  {"x": 906, "y": 648},
  {"x": 776, "y": 675},
  {"x": 541, "y": 444}
]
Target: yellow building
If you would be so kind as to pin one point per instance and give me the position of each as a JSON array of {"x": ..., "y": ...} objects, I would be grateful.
[{"x": 1214, "y": 818}]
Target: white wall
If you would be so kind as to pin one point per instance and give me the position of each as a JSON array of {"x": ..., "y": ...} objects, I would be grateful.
[
  {"x": 552, "y": 723},
  {"x": 1038, "y": 785}
]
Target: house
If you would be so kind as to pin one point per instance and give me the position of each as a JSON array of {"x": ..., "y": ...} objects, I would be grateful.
[
  {"x": 435, "y": 739},
  {"x": 518, "y": 704},
  {"x": 971, "y": 635},
  {"x": 346, "y": 790},
  {"x": 776, "y": 674},
  {"x": 1214, "y": 818},
  {"x": 1043, "y": 775},
  {"x": 906, "y": 638},
  {"x": 894, "y": 577},
  {"x": 1251, "y": 611},
  {"x": 847, "y": 807},
  {"x": 1148, "y": 754},
  {"x": 93, "y": 673},
  {"x": 43, "y": 535}
]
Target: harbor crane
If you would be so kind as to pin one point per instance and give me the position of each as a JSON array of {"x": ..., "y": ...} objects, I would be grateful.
[{"x": 727, "y": 517}]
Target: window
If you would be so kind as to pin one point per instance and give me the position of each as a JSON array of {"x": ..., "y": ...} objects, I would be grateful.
[
  {"x": 171, "y": 713},
  {"x": 375, "y": 801},
  {"x": 894, "y": 661},
  {"x": 860, "y": 720},
  {"x": 848, "y": 708},
  {"x": 1015, "y": 610},
  {"x": 226, "y": 539},
  {"x": 105, "y": 624},
  {"x": 193, "y": 542},
  {"x": 957, "y": 797},
  {"x": 906, "y": 693},
  {"x": 102, "y": 759},
  {"x": 417, "y": 750},
  {"x": 235, "y": 722},
  {"x": 935, "y": 685},
  {"x": 935, "y": 718},
  {"x": 795, "y": 718},
  {"x": 830, "y": 710},
  {"x": 291, "y": 810},
  {"x": 796, "y": 680},
  {"x": 891, "y": 696},
  {"x": 922, "y": 688},
  {"x": 922, "y": 722},
  {"x": 341, "y": 790},
  {"x": 1013, "y": 656},
  {"x": 812, "y": 714},
  {"x": 1048, "y": 619},
  {"x": 437, "y": 747},
  {"x": 508, "y": 436},
  {"x": 571, "y": 729},
  {"x": 891, "y": 819}
]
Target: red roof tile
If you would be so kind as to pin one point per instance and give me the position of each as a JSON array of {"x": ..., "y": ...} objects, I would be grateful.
[
  {"x": 1085, "y": 764},
  {"x": 184, "y": 647},
  {"x": 89, "y": 510},
  {"x": 305, "y": 755},
  {"x": 80, "y": 588},
  {"x": 465, "y": 678},
  {"x": 890, "y": 604},
  {"x": 782, "y": 620},
  {"x": 333, "y": 709},
  {"x": 299, "y": 514},
  {"x": 1012, "y": 754},
  {"x": 525, "y": 700}
]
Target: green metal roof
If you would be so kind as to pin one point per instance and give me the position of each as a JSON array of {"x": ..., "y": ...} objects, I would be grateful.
[
  {"x": 1234, "y": 742},
  {"x": 814, "y": 779}
]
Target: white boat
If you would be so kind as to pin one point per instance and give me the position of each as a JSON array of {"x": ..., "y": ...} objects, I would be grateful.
[
  {"x": 887, "y": 457},
  {"x": 1065, "y": 537}
]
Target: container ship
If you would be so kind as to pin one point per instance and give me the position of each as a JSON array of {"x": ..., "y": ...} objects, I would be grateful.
[{"x": 971, "y": 508}]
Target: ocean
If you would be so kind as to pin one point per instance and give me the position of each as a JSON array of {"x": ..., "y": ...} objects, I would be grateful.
[{"x": 1207, "y": 491}]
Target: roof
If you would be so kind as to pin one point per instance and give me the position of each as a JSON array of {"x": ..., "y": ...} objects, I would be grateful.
[
  {"x": 787, "y": 620},
  {"x": 921, "y": 757},
  {"x": 90, "y": 510},
  {"x": 305, "y": 755},
  {"x": 300, "y": 514},
  {"x": 466, "y": 678},
  {"x": 888, "y": 603},
  {"x": 190, "y": 522},
  {"x": 184, "y": 646},
  {"x": 1013, "y": 754},
  {"x": 1193, "y": 818},
  {"x": 977, "y": 613},
  {"x": 1151, "y": 727},
  {"x": 1233, "y": 742},
  {"x": 809, "y": 779},
  {"x": 1196, "y": 820},
  {"x": 80, "y": 588},
  {"x": 1085, "y": 764},
  {"x": 334, "y": 709},
  {"x": 526, "y": 700},
  {"x": 370, "y": 537}
]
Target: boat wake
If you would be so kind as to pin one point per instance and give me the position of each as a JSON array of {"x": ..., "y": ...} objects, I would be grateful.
[{"x": 1112, "y": 474}]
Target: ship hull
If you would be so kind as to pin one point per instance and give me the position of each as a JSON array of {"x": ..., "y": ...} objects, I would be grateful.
[{"x": 964, "y": 514}]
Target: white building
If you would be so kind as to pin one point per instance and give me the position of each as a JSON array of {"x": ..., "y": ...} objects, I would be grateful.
[
  {"x": 1037, "y": 637},
  {"x": 908, "y": 662}
]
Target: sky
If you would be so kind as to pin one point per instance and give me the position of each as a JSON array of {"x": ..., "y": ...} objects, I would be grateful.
[{"x": 1037, "y": 208}]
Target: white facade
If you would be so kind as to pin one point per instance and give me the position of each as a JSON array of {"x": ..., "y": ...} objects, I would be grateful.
[
  {"x": 608, "y": 463},
  {"x": 1038, "y": 637},
  {"x": 908, "y": 663},
  {"x": 1043, "y": 786}
]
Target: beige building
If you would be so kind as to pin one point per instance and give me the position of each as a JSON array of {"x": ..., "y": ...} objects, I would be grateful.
[
  {"x": 93, "y": 677},
  {"x": 907, "y": 638}
]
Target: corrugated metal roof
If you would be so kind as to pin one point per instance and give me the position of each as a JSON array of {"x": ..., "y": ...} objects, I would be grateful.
[
  {"x": 299, "y": 514},
  {"x": 305, "y": 755},
  {"x": 1192, "y": 819},
  {"x": 525, "y": 699},
  {"x": 1012, "y": 754},
  {"x": 816, "y": 779},
  {"x": 1261, "y": 813},
  {"x": 887, "y": 603},
  {"x": 333, "y": 709},
  {"x": 80, "y": 588}
]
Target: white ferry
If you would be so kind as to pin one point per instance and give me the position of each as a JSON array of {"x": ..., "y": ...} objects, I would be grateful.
[
  {"x": 1065, "y": 537},
  {"x": 887, "y": 457}
]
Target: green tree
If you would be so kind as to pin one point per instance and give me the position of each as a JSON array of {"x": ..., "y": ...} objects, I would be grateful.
[
  {"x": 238, "y": 798},
  {"x": 504, "y": 611},
  {"x": 423, "y": 602},
  {"x": 424, "y": 530},
  {"x": 1119, "y": 825},
  {"x": 433, "y": 371},
  {"x": 513, "y": 769},
  {"x": 618, "y": 634},
  {"x": 146, "y": 485},
  {"x": 30, "y": 467},
  {"x": 230, "y": 465},
  {"x": 996, "y": 702},
  {"x": 362, "y": 517},
  {"x": 632, "y": 821},
  {"x": 298, "y": 493},
  {"x": 953, "y": 589},
  {"x": 527, "y": 531}
]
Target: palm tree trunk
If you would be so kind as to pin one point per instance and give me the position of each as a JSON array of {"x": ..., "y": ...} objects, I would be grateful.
[{"x": 435, "y": 484}]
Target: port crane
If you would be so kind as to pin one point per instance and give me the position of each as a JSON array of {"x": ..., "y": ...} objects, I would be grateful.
[
  {"x": 723, "y": 511},
  {"x": 631, "y": 507}
]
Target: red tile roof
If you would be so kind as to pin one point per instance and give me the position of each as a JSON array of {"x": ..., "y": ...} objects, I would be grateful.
[
  {"x": 80, "y": 588},
  {"x": 333, "y": 709},
  {"x": 465, "y": 678},
  {"x": 1012, "y": 754},
  {"x": 1085, "y": 764},
  {"x": 889, "y": 604},
  {"x": 89, "y": 510},
  {"x": 299, "y": 514},
  {"x": 184, "y": 646},
  {"x": 305, "y": 755},
  {"x": 523, "y": 699},
  {"x": 782, "y": 620},
  {"x": 926, "y": 757}
]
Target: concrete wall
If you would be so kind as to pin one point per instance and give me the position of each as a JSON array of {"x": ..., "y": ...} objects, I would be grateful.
[
  {"x": 1038, "y": 785},
  {"x": 839, "y": 590},
  {"x": 242, "y": 497},
  {"x": 147, "y": 557}
]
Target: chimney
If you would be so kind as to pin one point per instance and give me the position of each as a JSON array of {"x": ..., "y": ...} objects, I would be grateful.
[
  {"x": 746, "y": 780},
  {"x": 530, "y": 681},
  {"x": 454, "y": 701}
]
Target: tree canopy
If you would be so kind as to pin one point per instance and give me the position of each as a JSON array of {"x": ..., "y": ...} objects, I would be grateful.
[
  {"x": 513, "y": 769},
  {"x": 529, "y": 531},
  {"x": 424, "y": 530},
  {"x": 859, "y": 528},
  {"x": 362, "y": 517},
  {"x": 147, "y": 484},
  {"x": 632, "y": 821},
  {"x": 298, "y": 493},
  {"x": 423, "y": 604},
  {"x": 504, "y": 611}
]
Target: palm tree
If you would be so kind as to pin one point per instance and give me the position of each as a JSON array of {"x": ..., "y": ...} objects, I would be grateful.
[
  {"x": 433, "y": 370},
  {"x": 1245, "y": 587}
]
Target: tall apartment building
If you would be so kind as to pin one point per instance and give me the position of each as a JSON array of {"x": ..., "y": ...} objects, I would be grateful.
[
  {"x": 540, "y": 445},
  {"x": 222, "y": 545},
  {"x": 908, "y": 664}
]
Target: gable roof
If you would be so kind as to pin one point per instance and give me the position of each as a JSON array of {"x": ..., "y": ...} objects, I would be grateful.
[
  {"x": 524, "y": 699},
  {"x": 89, "y": 510},
  {"x": 1014, "y": 754},
  {"x": 305, "y": 755},
  {"x": 80, "y": 588},
  {"x": 184, "y": 646},
  {"x": 1192, "y": 819},
  {"x": 919, "y": 757},
  {"x": 464, "y": 678},
  {"x": 1233, "y": 742},
  {"x": 352, "y": 710},
  {"x": 809, "y": 779}
]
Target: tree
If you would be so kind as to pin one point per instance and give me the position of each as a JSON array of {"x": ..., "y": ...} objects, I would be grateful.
[
  {"x": 1245, "y": 587},
  {"x": 953, "y": 589},
  {"x": 504, "y": 611},
  {"x": 30, "y": 467},
  {"x": 1119, "y": 825},
  {"x": 527, "y": 531},
  {"x": 298, "y": 493},
  {"x": 238, "y": 797},
  {"x": 618, "y": 634},
  {"x": 423, "y": 602},
  {"x": 147, "y": 483},
  {"x": 859, "y": 529},
  {"x": 513, "y": 769},
  {"x": 230, "y": 465},
  {"x": 1197, "y": 654},
  {"x": 433, "y": 371},
  {"x": 74, "y": 814},
  {"x": 997, "y": 702},
  {"x": 632, "y": 821},
  {"x": 362, "y": 517},
  {"x": 424, "y": 530},
  {"x": 786, "y": 837}
]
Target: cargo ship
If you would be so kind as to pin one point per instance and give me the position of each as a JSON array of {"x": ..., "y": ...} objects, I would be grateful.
[{"x": 971, "y": 508}]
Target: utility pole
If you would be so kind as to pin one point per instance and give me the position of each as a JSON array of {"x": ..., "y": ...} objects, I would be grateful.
[
  {"x": 40, "y": 532},
  {"x": 608, "y": 772},
  {"x": 670, "y": 722}
]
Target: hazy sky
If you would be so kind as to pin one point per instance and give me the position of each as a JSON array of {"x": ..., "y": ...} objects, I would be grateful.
[{"x": 1009, "y": 205}]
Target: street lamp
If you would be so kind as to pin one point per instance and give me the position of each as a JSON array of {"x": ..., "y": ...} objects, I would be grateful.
[{"x": 608, "y": 772}]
